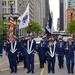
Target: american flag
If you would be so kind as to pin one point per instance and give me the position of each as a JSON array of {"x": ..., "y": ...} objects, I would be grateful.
[{"x": 11, "y": 24}]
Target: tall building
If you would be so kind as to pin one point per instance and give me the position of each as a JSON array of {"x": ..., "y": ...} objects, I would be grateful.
[
  {"x": 71, "y": 4},
  {"x": 61, "y": 3},
  {"x": 44, "y": 12},
  {"x": 58, "y": 24},
  {"x": 73, "y": 15},
  {"x": 19, "y": 7},
  {"x": 0, "y": 8},
  {"x": 47, "y": 10},
  {"x": 38, "y": 11},
  {"x": 65, "y": 14}
]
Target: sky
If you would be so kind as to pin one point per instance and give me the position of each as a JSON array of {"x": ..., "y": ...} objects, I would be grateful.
[{"x": 54, "y": 7}]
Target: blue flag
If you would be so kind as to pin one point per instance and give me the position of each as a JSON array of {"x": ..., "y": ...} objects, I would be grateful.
[{"x": 49, "y": 26}]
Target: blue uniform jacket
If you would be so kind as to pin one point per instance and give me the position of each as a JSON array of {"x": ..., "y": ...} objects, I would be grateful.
[
  {"x": 41, "y": 49},
  {"x": 48, "y": 50},
  {"x": 70, "y": 52},
  {"x": 8, "y": 48},
  {"x": 33, "y": 46},
  {"x": 60, "y": 50},
  {"x": 1, "y": 48}
]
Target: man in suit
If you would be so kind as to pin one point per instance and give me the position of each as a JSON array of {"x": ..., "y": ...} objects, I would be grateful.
[
  {"x": 12, "y": 51},
  {"x": 41, "y": 53},
  {"x": 1, "y": 48},
  {"x": 45, "y": 42},
  {"x": 30, "y": 50},
  {"x": 69, "y": 53},
  {"x": 61, "y": 52},
  {"x": 51, "y": 51}
]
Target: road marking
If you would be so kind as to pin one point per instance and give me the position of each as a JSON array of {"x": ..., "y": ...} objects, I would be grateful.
[
  {"x": 3, "y": 62},
  {"x": 5, "y": 69},
  {"x": 42, "y": 71}
]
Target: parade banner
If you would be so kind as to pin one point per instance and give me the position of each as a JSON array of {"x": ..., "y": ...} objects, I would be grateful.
[
  {"x": 24, "y": 19},
  {"x": 49, "y": 25}
]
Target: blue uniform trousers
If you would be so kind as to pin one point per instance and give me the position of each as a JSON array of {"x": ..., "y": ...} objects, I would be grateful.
[
  {"x": 70, "y": 64},
  {"x": 30, "y": 61},
  {"x": 12, "y": 62},
  {"x": 60, "y": 60},
  {"x": 24, "y": 61},
  {"x": 51, "y": 64},
  {"x": 41, "y": 59}
]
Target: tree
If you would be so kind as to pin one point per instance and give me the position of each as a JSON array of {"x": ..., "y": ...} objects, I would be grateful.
[
  {"x": 34, "y": 27},
  {"x": 4, "y": 28},
  {"x": 71, "y": 27}
]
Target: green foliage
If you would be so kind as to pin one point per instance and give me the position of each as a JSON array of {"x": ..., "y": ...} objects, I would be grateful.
[
  {"x": 34, "y": 27},
  {"x": 4, "y": 27},
  {"x": 71, "y": 27}
]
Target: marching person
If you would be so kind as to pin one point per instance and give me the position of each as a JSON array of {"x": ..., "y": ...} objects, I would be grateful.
[
  {"x": 69, "y": 53},
  {"x": 23, "y": 51},
  {"x": 61, "y": 52},
  {"x": 45, "y": 42},
  {"x": 30, "y": 50},
  {"x": 51, "y": 50},
  {"x": 41, "y": 53},
  {"x": 1, "y": 48},
  {"x": 12, "y": 50}
]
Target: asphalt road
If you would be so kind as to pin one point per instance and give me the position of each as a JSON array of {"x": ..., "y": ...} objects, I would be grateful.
[{"x": 4, "y": 68}]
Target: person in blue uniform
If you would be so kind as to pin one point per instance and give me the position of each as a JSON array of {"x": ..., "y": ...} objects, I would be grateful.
[
  {"x": 69, "y": 53},
  {"x": 41, "y": 53},
  {"x": 45, "y": 42},
  {"x": 51, "y": 54},
  {"x": 30, "y": 50},
  {"x": 23, "y": 52},
  {"x": 12, "y": 51},
  {"x": 61, "y": 52},
  {"x": 20, "y": 58},
  {"x": 1, "y": 48}
]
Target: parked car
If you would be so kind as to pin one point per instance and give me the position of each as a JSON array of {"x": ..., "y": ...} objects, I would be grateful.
[
  {"x": 38, "y": 39},
  {"x": 65, "y": 38}
]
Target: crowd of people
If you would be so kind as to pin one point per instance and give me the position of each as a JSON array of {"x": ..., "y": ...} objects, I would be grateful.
[{"x": 25, "y": 49}]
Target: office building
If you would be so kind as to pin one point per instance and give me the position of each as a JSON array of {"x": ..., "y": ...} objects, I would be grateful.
[{"x": 71, "y": 4}]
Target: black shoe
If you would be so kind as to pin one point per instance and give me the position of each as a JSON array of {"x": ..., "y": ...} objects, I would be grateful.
[
  {"x": 59, "y": 67},
  {"x": 40, "y": 66},
  {"x": 32, "y": 71},
  {"x": 48, "y": 71},
  {"x": 53, "y": 72},
  {"x": 25, "y": 67},
  {"x": 68, "y": 72},
  {"x": 72, "y": 72},
  {"x": 11, "y": 71},
  {"x": 28, "y": 71}
]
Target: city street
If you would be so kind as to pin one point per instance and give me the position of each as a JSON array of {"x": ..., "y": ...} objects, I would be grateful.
[{"x": 4, "y": 68}]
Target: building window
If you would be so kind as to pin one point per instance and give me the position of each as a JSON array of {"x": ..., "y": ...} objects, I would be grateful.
[
  {"x": 8, "y": 2},
  {"x": 3, "y": 2},
  {"x": 8, "y": 10},
  {"x": 4, "y": 10},
  {"x": 13, "y": 2},
  {"x": 13, "y": 10}
]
